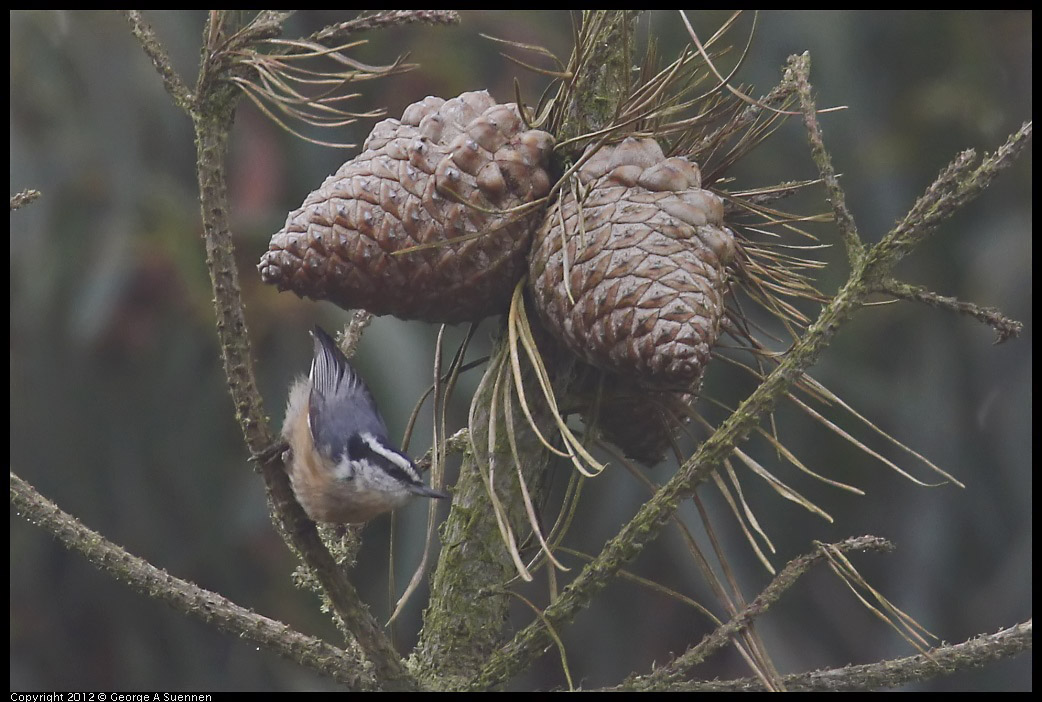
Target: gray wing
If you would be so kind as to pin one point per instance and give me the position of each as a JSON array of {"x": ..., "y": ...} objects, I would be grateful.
[{"x": 341, "y": 405}]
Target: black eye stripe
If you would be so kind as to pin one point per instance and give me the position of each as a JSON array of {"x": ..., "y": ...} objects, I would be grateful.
[{"x": 359, "y": 450}]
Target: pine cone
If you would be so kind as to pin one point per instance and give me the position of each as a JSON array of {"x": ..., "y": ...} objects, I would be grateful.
[
  {"x": 448, "y": 169},
  {"x": 637, "y": 286},
  {"x": 643, "y": 422}
]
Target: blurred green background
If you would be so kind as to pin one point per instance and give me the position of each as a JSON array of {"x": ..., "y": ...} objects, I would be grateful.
[{"x": 119, "y": 411}]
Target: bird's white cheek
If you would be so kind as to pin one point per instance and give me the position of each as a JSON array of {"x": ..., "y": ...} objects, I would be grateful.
[
  {"x": 362, "y": 478},
  {"x": 345, "y": 470}
]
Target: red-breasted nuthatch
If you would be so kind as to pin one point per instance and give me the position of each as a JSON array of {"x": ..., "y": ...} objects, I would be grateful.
[{"x": 343, "y": 467}]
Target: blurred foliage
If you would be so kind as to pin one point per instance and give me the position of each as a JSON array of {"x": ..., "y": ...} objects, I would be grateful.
[{"x": 120, "y": 415}]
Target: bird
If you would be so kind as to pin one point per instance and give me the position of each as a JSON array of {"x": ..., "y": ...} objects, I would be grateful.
[{"x": 343, "y": 467}]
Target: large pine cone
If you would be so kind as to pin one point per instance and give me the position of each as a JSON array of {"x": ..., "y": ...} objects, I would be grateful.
[
  {"x": 632, "y": 279},
  {"x": 448, "y": 169}
]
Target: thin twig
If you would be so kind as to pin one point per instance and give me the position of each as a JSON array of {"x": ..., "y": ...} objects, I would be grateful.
[
  {"x": 182, "y": 96},
  {"x": 380, "y": 20},
  {"x": 679, "y": 668},
  {"x": 1005, "y": 328},
  {"x": 798, "y": 72},
  {"x": 943, "y": 660},
  {"x": 23, "y": 198}
]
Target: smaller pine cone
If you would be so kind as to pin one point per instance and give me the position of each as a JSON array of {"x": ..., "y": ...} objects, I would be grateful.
[
  {"x": 633, "y": 278},
  {"x": 644, "y": 423},
  {"x": 447, "y": 169}
]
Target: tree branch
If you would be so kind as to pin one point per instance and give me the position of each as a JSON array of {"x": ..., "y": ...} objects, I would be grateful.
[
  {"x": 798, "y": 73},
  {"x": 1004, "y": 327},
  {"x": 182, "y": 96},
  {"x": 943, "y": 660},
  {"x": 675, "y": 671},
  {"x": 185, "y": 596}
]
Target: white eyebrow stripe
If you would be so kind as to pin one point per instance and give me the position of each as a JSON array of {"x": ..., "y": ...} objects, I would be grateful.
[{"x": 392, "y": 456}]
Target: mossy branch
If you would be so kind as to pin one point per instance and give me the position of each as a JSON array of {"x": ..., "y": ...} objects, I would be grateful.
[
  {"x": 1005, "y": 328},
  {"x": 187, "y": 597},
  {"x": 145, "y": 35},
  {"x": 383, "y": 19},
  {"x": 678, "y": 670},
  {"x": 943, "y": 660}
]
